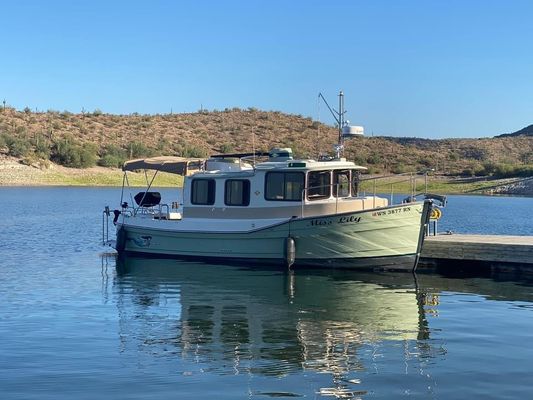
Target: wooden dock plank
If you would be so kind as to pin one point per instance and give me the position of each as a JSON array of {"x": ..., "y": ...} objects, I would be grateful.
[{"x": 488, "y": 248}]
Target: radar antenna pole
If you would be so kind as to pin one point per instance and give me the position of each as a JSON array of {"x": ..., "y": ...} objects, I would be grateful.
[{"x": 339, "y": 118}]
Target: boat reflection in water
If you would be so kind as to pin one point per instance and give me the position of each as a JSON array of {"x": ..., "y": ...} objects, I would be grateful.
[{"x": 231, "y": 320}]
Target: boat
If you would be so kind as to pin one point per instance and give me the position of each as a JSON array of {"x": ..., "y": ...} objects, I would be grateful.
[{"x": 271, "y": 208}]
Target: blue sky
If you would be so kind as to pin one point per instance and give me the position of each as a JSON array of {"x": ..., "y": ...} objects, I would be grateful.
[{"x": 430, "y": 69}]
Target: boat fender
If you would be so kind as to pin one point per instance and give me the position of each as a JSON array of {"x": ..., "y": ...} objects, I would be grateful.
[
  {"x": 117, "y": 213},
  {"x": 121, "y": 240},
  {"x": 290, "y": 251}
]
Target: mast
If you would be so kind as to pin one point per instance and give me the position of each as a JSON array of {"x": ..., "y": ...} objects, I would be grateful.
[
  {"x": 341, "y": 113},
  {"x": 339, "y": 118}
]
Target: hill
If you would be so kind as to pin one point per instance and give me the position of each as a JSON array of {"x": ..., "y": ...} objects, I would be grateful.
[
  {"x": 527, "y": 131},
  {"x": 87, "y": 139}
]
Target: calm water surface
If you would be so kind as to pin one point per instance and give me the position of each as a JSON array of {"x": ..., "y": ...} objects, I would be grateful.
[{"x": 74, "y": 324}]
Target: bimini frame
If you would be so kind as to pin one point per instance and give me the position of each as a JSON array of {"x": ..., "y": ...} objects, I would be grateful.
[{"x": 173, "y": 165}]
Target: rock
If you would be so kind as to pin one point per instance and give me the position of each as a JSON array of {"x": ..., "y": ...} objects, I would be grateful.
[{"x": 521, "y": 187}]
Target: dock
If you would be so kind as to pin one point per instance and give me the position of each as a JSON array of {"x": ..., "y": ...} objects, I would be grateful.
[{"x": 488, "y": 250}]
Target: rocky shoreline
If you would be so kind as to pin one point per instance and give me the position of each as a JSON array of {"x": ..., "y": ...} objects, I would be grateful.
[{"x": 516, "y": 187}]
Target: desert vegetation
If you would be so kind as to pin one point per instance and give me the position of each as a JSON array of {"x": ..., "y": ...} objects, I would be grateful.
[{"x": 95, "y": 138}]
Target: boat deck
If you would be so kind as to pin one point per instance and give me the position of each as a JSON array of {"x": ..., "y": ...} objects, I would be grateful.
[{"x": 488, "y": 249}]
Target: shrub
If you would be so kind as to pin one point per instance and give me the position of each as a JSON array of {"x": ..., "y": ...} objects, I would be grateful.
[
  {"x": 400, "y": 169},
  {"x": 488, "y": 169},
  {"x": 139, "y": 150},
  {"x": 373, "y": 170},
  {"x": 163, "y": 145},
  {"x": 475, "y": 153},
  {"x": 71, "y": 154},
  {"x": 192, "y": 152},
  {"x": 112, "y": 156},
  {"x": 453, "y": 157},
  {"x": 3, "y": 141},
  {"x": 111, "y": 161},
  {"x": 88, "y": 155},
  {"x": 226, "y": 148},
  {"x": 467, "y": 172},
  {"x": 18, "y": 147},
  {"x": 374, "y": 159},
  {"x": 510, "y": 171},
  {"x": 479, "y": 170},
  {"x": 426, "y": 162}
]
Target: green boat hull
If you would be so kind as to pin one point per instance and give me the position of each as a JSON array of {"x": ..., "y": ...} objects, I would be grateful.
[{"x": 388, "y": 238}]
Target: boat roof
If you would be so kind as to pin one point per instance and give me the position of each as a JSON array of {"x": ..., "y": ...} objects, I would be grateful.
[
  {"x": 285, "y": 166},
  {"x": 309, "y": 164},
  {"x": 171, "y": 164},
  {"x": 187, "y": 166}
]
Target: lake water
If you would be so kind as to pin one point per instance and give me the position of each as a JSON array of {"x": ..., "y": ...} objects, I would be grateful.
[{"x": 73, "y": 324}]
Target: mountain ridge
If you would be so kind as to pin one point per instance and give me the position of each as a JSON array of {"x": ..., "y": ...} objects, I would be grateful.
[{"x": 527, "y": 131}]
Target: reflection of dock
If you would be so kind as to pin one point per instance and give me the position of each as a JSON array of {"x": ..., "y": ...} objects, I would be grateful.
[{"x": 482, "y": 249}]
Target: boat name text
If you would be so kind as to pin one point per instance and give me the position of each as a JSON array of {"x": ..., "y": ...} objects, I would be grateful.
[
  {"x": 351, "y": 218},
  {"x": 341, "y": 220}
]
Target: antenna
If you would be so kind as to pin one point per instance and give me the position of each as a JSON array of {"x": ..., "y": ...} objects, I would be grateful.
[
  {"x": 317, "y": 145},
  {"x": 253, "y": 144},
  {"x": 345, "y": 131}
]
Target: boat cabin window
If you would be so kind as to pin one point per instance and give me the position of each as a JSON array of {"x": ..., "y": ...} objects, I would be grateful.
[
  {"x": 284, "y": 186},
  {"x": 341, "y": 183},
  {"x": 237, "y": 192},
  {"x": 203, "y": 191},
  {"x": 318, "y": 185}
]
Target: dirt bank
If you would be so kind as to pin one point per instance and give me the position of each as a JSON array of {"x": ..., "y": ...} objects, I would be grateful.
[{"x": 14, "y": 173}]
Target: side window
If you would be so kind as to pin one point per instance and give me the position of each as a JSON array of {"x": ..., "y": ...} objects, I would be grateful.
[
  {"x": 237, "y": 192},
  {"x": 275, "y": 186},
  {"x": 294, "y": 185},
  {"x": 341, "y": 183},
  {"x": 318, "y": 185},
  {"x": 203, "y": 191},
  {"x": 284, "y": 186}
]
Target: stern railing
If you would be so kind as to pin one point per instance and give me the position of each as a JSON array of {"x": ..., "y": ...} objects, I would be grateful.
[
  {"x": 105, "y": 225},
  {"x": 413, "y": 181},
  {"x": 391, "y": 183}
]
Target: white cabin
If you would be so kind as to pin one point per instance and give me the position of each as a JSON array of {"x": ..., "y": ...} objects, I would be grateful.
[{"x": 278, "y": 188}]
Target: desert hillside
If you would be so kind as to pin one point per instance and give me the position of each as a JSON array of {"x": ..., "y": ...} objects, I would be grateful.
[{"x": 89, "y": 139}]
